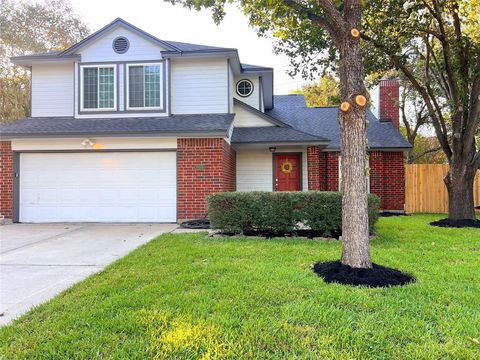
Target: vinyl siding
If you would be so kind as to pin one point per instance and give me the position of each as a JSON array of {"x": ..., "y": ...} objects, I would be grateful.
[
  {"x": 255, "y": 169},
  {"x": 52, "y": 90},
  {"x": 254, "y": 99},
  {"x": 244, "y": 118},
  {"x": 199, "y": 86},
  {"x": 140, "y": 49}
]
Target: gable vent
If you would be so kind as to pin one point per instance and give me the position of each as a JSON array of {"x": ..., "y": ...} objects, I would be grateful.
[{"x": 120, "y": 45}]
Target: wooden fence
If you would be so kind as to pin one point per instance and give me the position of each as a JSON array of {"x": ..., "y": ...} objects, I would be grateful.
[{"x": 425, "y": 190}]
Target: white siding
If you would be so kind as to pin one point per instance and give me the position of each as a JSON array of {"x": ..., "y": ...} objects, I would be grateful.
[
  {"x": 199, "y": 86},
  {"x": 140, "y": 49},
  {"x": 254, "y": 99},
  {"x": 244, "y": 118},
  {"x": 102, "y": 143},
  {"x": 255, "y": 169},
  {"x": 52, "y": 90}
]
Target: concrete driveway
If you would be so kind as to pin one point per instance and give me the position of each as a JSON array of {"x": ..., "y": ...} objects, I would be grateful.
[{"x": 38, "y": 261}]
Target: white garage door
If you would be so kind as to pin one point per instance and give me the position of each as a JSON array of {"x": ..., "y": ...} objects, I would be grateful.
[{"x": 103, "y": 187}]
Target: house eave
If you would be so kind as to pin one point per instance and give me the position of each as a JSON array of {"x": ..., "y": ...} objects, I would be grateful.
[
  {"x": 146, "y": 134},
  {"x": 29, "y": 60}
]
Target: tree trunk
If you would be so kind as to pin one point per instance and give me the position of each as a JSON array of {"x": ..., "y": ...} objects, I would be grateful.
[
  {"x": 355, "y": 232},
  {"x": 459, "y": 181}
]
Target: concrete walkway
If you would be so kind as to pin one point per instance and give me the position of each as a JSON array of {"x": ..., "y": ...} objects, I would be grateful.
[{"x": 38, "y": 261}]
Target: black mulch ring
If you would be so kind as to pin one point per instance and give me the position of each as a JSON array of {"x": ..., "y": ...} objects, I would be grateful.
[
  {"x": 465, "y": 223},
  {"x": 196, "y": 224},
  {"x": 377, "y": 276}
]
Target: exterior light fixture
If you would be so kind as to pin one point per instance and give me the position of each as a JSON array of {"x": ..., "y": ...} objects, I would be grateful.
[
  {"x": 272, "y": 149},
  {"x": 87, "y": 143}
]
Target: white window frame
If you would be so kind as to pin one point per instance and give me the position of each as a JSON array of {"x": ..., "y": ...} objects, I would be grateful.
[
  {"x": 98, "y": 109},
  {"x": 367, "y": 167},
  {"x": 127, "y": 84}
]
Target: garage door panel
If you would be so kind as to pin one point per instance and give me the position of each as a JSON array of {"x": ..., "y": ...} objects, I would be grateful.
[{"x": 110, "y": 187}]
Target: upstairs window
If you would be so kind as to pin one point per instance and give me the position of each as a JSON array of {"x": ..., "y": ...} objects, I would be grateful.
[
  {"x": 98, "y": 88},
  {"x": 244, "y": 88},
  {"x": 144, "y": 86}
]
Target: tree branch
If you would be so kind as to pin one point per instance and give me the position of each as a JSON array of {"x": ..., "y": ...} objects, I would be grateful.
[
  {"x": 440, "y": 130},
  {"x": 426, "y": 152},
  {"x": 313, "y": 17}
]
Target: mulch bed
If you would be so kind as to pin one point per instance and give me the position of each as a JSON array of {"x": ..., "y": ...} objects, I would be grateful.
[
  {"x": 310, "y": 234},
  {"x": 465, "y": 223},
  {"x": 377, "y": 276},
  {"x": 196, "y": 224},
  {"x": 389, "y": 214}
]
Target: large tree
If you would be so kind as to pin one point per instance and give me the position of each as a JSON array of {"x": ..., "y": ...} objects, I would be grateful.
[
  {"x": 435, "y": 45},
  {"x": 27, "y": 27},
  {"x": 442, "y": 38},
  {"x": 336, "y": 25}
]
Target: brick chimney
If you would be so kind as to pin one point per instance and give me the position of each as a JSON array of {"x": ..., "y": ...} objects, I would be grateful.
[{"x": 389, "y": 101}]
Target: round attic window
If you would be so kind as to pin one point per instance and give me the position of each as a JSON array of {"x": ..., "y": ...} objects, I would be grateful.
[
  {"x": 120, "y": 45},
  {"x": 244, "y": 88}
]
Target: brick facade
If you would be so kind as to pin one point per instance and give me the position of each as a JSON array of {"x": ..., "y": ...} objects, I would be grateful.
[
  {"x": 313, "y": 167},
  {"x": 6, "y": 180},
  {"x": 387, "y": 175},
  {"x": 389, "y": 97},
  {"x": 204, "y": 166},
  {"x": 387, "y": 179}
]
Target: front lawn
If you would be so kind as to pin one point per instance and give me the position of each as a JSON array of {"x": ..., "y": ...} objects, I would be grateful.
[{"x": 189, "y": 296}]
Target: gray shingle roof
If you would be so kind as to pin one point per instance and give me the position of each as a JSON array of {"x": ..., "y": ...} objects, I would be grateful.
[
  {"x": 68, "y": 126},
  {"x": 255, "y": 67},
  {"x": 195, "y": 47},
  {"x": 322, "y": 122},
  {"x": 273, "y": 134}
]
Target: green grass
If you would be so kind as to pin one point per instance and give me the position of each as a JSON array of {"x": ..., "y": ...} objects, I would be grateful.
[{"x": 190, "y": 296}]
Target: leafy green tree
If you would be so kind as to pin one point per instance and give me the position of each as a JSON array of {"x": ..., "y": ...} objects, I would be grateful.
[
  {"x": 327, "y": 26},
  {"x": 326, "y": 92},
  {"x": 435, "y": 45},
  {"x": 27, "y": 27}
]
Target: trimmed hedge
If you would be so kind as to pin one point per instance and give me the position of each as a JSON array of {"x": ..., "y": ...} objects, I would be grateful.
[{"x": 281, "y": 212}]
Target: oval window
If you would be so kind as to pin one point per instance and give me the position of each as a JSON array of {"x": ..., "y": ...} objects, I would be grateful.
[{"x": 244, "y": 88}]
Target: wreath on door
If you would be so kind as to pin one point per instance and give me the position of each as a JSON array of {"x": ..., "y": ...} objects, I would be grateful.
[{"x": 286, "y": 167}]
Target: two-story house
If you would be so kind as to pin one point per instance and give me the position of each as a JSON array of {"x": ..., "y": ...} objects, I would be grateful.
[{"x": 126, "y": 127}]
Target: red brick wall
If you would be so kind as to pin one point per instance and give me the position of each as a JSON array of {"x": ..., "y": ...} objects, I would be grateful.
[
  {"x": 389, "y": 98},
  {"x": 387, "y": 179},
  {"x": 313, "y": 167},
  {"x": 387, "y": 176},
  {"x": 205, "y": 166},
  {"x": 6, "y": 180},
  {"x": 332, "y": 171}
]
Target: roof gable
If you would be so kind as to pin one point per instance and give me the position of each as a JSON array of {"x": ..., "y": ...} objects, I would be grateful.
[{"x": 113, "y": 25}]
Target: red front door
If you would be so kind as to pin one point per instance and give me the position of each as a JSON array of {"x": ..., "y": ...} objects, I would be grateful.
[{"x": 288, "y": 173}]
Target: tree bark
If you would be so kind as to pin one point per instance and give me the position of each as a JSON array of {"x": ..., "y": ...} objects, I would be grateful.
[
  {"x": 355, "y": 231},
  {"x": 459, "y": 181}
]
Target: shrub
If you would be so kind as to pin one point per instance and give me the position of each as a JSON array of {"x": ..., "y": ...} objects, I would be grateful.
[{"x": 281, "y": 212}]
